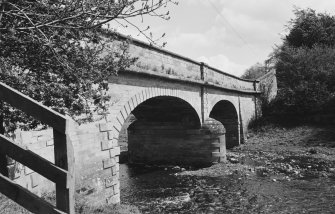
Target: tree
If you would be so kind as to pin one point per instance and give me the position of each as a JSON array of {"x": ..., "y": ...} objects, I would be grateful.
[
  {"x": 59, "y": 52},
  {"x": 309, "y": 28},
  {"x": 305, "y": 65},
  {"x": 255, "y": 71}
]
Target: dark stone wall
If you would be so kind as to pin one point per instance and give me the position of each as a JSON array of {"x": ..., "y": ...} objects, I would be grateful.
[{"x": 173, "y": 143}]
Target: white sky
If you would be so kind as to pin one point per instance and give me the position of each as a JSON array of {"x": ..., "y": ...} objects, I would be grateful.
[{"x": 231, "y": 35}]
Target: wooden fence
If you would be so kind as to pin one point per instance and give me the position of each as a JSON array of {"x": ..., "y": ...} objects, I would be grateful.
[{"x": 61, "y": 173}]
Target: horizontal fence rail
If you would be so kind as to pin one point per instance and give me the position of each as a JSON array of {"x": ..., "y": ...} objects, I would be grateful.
[
  {"x": 61, "y": 173},
  {"x": 25, "y": 198}
]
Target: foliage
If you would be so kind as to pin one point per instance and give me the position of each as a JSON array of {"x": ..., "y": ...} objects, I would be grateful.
[
  {"x": 309, "y": 29},
  {"x": 305, "y": 67},
  {"x": 58, "y": 51},
  {"x": 255, "y": 71}
]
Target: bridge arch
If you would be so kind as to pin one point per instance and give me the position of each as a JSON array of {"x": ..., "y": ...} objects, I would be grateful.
[
  {"x": 226, "y": 112},
  {"x": 167, "y": 109},
  {"x": 119, "y": 113}
]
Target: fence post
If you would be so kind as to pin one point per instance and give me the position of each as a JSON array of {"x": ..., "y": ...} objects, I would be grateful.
[
  {"x": 3, "y": 158},
  {"x": 64, "y": 158}
]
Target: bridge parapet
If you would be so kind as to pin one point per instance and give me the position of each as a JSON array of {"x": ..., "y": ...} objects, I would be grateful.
[
  {"x": 218, "y": 77},
  {"x": 156, "y": 61}
]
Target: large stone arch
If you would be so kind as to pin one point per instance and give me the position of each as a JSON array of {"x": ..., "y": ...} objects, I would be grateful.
[
  {"x": 121, "y": 110},
  {"x": 163, "y": 132},
  {"x": 226, "y": 112}
]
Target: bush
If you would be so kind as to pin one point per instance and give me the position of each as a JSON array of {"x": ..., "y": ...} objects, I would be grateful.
[{"x": 306, "y": 82}]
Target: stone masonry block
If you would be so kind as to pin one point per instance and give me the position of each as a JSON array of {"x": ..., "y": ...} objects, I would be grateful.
[
  {"x": 82, "y": 130},
  {"x": 111, "y": 181},
  {"x": 127, "y": 109},
  {"x": 26, "y": 136},
  {"x": 12, "y": 172},
  {"x": 37, "y": 145},
  {"x": 115, "y": 169},
  {"x": 115, "y": 199},
  {"x": 120, "y": 119},
  {"x": 50, "y": 142},
  {"x": 135, "y": 100},
  {"x": 27, "y": 171},
  {"x": 103, "y": 127},
  {"x": 35, "y": 179},
  {"x": 113, "y": 134},
  {"x": 138, "y": 98},
  {"x": 124, "y": 114},
  {"x": 150, "y": 94},
  {"x": 105, "y": 145},
  {"x": 116, "y": 188},
  {"x": 109, "y": 117},
  {"x": 157, "y": 91},
  {"x": 114, "y": 152},
  {"x": 117, "y": 125},
  {"x": 31, "y": 140},
  {"x": 113, "y": 143},
  {"x": 131, "y": 103},
  {"x": 116, "y": 175},
  {"x": 44, "y": 137},
  {"x": 103, "y": 136},
  {"x": 10, "y": 161},
  {"x": 143, "y": 96},
  {"x": 108, "y": 163},
  {"x": 109, "y": 144},
  {"x": 114, "y": 122},
  {"x": 46, "y": 132}
]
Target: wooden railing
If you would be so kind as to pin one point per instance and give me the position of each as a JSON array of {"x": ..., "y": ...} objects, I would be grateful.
[{"x": 61, "y": 173}]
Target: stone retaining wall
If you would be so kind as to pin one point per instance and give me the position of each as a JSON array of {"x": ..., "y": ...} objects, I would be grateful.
[{"x": 96, "y": 161}]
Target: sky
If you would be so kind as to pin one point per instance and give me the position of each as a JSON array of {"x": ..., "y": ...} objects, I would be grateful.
[{"x": 231, "y": 35}]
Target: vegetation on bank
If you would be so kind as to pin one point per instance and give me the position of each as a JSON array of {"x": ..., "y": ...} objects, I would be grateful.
[{"x": 305, "y": 68}]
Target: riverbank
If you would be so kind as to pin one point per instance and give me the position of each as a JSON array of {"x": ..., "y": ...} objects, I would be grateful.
[{"x": 274, "y": 152}]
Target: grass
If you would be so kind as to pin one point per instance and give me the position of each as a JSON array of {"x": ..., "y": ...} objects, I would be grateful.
[{"x": 82, "y": 206}]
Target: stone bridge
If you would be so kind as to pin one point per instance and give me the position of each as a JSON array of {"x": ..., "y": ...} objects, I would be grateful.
[{"x": 168, "y": 108}]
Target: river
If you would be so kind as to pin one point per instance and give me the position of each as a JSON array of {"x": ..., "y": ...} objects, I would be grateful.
[{"x": 166, "y": 190}]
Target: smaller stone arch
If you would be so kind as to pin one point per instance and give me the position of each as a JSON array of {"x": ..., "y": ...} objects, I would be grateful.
[{"x": 225, "y": 112}]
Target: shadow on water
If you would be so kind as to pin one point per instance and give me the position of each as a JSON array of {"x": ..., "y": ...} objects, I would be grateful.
[{"x": 162, "y": 190}]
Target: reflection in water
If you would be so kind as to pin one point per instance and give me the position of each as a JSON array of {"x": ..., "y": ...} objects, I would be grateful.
[{"x": 158, "y": 190}]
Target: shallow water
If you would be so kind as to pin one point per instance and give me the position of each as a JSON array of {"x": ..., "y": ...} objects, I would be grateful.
[{"x": 156, "y": 190}]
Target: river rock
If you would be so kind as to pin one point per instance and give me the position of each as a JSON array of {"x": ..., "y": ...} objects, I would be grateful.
[
  {"x": 185, "y": 197},
  {"x": 176, "y": 168},
  {"x": 233, "y": 160},
  {"x": 313, "y": 151}
]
